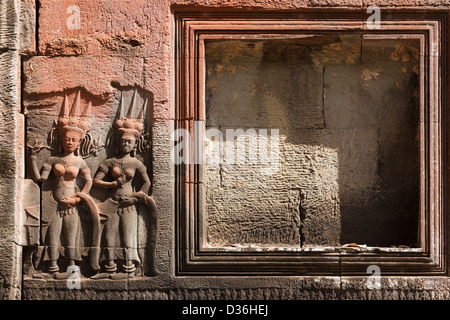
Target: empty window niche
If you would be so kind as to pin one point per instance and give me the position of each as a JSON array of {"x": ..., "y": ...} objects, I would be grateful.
[{"x": 312, "y": 142}]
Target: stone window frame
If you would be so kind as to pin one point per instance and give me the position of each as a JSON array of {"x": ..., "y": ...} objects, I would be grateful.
[{"x": 192, "y": 257}]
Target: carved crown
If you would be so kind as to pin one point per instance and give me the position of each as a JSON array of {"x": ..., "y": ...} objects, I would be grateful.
[
  {"x": 129, "y": 124},
  {"x": 71, "y": 120}
]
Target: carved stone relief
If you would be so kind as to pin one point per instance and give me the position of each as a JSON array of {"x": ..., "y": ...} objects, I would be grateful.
[
  {"x": 120, "y": 232},
  {"x": 94, "y": 191}
]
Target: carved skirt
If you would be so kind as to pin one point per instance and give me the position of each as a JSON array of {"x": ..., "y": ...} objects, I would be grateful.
[
  {"x": 121, "y": 234},
  {"x": 65, "y": 227}
]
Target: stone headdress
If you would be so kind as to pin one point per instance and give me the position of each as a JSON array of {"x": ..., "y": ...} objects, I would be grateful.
[
  {"x": 130, "y": 125},
  {"x": 70, "y": 119}
]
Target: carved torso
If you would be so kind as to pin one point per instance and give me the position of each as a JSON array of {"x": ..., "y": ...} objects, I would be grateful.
[
  {"x": 66, "y": 170},
  {"x": 121, "y": 166}
]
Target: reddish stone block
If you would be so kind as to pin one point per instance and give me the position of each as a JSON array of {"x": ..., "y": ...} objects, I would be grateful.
[
  {"x": 95, "y": 74},
  {"x": 156, "y": 76},
  {"x": 270, "y": 4},
  {"x": 27, "y": 27},
  {"x": 417, "y": 4},
  {"x": 98, "y": 27},
  {"x": 99, "y": 76},
  {"x": 125, "y": 29}
]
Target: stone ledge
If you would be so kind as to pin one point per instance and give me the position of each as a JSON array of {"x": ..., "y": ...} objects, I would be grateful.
[{"x": 291, "y": 288}]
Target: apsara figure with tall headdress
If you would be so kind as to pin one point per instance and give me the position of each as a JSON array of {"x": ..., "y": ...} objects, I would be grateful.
[
  {"x": 61, "y": 224},
  {"x": 117, "y": 175}
]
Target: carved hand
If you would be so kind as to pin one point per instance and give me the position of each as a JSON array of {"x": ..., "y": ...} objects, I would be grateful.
[
  {"x": 33, "y": 156},
  {"x": 140, "y": 196},
  {"x": 120, "y": 181},
  {"x": 34, "y": 150},
  {"x": 70, "y": 201},
  {"x": 33, "y": 153},
  {"x": 128, "y": 200}
]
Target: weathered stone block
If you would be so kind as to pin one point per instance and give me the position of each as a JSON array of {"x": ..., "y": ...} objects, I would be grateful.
[
  {"x": 27, "y": 27},
  {"x": 31, "y": 216},
  {"x": 9, "y": 26},
  {"x": 11, "y": 139},
  {"x": 98, "y": 28},
  {"x": 98, "y": 75}
]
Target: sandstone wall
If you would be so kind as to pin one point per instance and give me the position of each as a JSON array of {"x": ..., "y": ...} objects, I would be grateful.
[{"x": 116, "y": 46}]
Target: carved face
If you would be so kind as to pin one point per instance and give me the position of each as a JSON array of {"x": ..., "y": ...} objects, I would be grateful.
[
  {"x": 127, "y": 142},
  {"x": 70, "y": 140}
]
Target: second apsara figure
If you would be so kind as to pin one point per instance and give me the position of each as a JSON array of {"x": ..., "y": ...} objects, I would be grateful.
[{"x": 118, "y": 175}]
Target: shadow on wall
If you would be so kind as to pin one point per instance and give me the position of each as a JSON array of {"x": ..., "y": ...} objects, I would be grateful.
[{"x": 347, "y": 111}]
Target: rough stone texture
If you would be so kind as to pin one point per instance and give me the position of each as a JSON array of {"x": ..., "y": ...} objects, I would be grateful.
[
  {"x": 268, "y": 4},
  {"x": 163, "y": 288},
  {"x": 117, "y": 27},
  {"x": 30, "y": 215},
  {"x": 98, "y": 75},
  {"x": 163, "y": 192},
  {"x": 27, "y": 27},
  {"x": 348, "y": 172},
  {"x": 396, "y": 288},
  {"x": 419, "y": 4},
  {"x": 11, "y": 146},
  {"x": 304, "y": 288},
  {"x": 125, "y": 43},
  {"x": 127, "y": 29}
]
